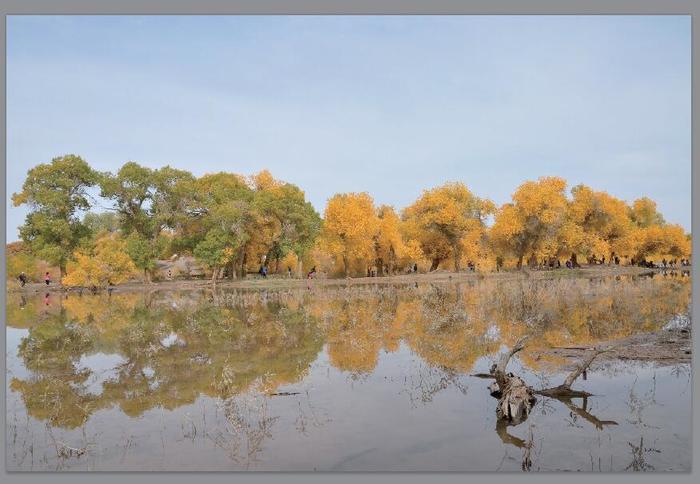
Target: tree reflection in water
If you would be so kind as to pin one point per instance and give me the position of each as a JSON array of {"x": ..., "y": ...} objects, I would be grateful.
[{"x": 241, "y": 346}]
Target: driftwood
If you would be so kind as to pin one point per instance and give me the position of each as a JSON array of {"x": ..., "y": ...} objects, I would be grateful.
[{"x": 516, "y": 398}]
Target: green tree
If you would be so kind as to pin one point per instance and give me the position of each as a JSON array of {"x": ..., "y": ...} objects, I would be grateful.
[
  {"x": 147, "y": 202},
  {"x": 222, "y": 205},
  {"x": 56, "y": 193},
  {"x": 144, "y": 252},
  {"x": 290, "y": 222}
]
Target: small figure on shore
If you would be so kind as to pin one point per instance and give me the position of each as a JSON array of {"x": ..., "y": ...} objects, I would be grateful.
[
  {"x": 22, "y": 279},
  {"x": 47, "y": 278},
  {"x": 309, "y": 277},
  {"x": 46, "y": 299},
  {"x": 415, "y": 268},
  {"x": 289, "y": 272}
]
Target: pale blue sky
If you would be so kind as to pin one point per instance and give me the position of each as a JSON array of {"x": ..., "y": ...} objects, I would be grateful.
[{"x": 390, "y": 105}]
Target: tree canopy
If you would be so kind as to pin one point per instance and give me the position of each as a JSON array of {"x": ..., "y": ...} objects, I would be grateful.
[{"x": 234, "y": 224}]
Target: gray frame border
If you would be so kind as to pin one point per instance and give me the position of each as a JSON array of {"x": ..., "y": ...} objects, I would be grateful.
[{"x": 473, "y": 7}]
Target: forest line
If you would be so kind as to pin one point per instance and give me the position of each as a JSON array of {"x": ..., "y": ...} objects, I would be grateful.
[{"x": 233, "y": 225}]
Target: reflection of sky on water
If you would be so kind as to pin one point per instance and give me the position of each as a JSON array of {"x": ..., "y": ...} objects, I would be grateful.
[{"x": 360, "y": 379}]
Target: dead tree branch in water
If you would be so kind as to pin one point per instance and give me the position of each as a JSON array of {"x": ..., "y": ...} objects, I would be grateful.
[
  {"x": 515, "y": 397},
  {"x": 564, "y": 390}
]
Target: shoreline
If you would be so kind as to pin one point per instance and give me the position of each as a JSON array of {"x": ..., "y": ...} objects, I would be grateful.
[
  {"x": 281, "y": 282},
  {"x": 664, "y": 347}
]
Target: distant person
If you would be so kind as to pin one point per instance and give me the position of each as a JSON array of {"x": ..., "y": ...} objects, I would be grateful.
[
  {"x": 22, "y": 279},
  {"x": 264, "y": 272},
  {"x": 415, "y": 268},
  {"x": 309, "y": 277},
  {"x": 289, "y": 272},
  {"x": 47, "y": 278}
]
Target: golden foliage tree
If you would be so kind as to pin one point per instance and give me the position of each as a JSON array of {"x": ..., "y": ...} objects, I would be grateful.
[
  {"x": 389, "y": 245},
  {"x": 443, "y": 217},
  {"x": 350, "y": 227},
  {"x": 533, "y": 219},
  {"x": 108, "y": 263},
  {"x": 600, "y": 221}
]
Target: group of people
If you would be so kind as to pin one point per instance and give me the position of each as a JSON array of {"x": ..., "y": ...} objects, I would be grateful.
[
  {"x": 23, "y": 279},
  {"x": 664, "y": 263}
]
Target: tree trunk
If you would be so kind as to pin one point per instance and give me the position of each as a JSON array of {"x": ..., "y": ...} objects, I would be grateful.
[
  {"x": 214, "y": 274},
  {"x": 515, "y": 398},
  {"x": 520, "y": 261},
  {"x": 345, "y": 265},
  {"x": 300, "y": 267},
  {"x": 243, "y": 261},
  {"x": 61, "y": 270},
  {"x": 457, "y": 257},
  {"x": 435, "y": 264}
]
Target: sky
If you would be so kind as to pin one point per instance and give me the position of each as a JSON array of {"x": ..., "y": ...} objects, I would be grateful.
[{"x": 390, "y": 105}]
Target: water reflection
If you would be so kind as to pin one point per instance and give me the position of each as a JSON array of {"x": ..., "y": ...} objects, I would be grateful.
[{"x": 142, "y": 351}]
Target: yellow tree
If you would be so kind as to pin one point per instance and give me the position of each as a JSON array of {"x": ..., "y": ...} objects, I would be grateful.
[
  {"x": 662, "y": 241},
  {"x": 533, "y": 220},
  {"x": 643, "y": 213},
  {"x": 350, "y": 227},
  {"x": 388, "y": 242},
  {"x": 108, "y": 263},
  {"x": 601, "y": 221},
  {"x": 444, "y": 216}
]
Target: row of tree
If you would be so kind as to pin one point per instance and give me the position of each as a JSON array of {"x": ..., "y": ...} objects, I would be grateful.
[{"x": 234, "y": 224}]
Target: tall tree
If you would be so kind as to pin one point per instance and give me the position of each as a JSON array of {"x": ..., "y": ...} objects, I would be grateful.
[
  {"x": 388, "y": 243},
  {"x": 603, "y": 221},
  {"x": 285, "y": 220},
  {"x": 533, "y": 219},
  {"x": 349, "y": 228},
  {"x": 221, "y": 208},
  {"x": 147, "y": 201},
  {"x": 56, "y": 193},
  {"x": 449, "y": 214}
]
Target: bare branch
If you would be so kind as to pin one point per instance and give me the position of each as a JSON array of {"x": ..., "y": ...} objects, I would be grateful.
[
  {"x": 583, "y": 366},
  {"x": 505, "y": 357}
]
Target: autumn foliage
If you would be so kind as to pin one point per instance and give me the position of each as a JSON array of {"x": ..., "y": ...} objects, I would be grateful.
[{"x": 234, "y": 225}]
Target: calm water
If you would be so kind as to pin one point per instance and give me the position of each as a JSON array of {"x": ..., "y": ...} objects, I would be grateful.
[{"x": 361, "y": 378}]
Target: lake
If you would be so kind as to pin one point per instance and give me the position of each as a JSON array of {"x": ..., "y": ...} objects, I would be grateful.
[{"x": 368, "y": 377}]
